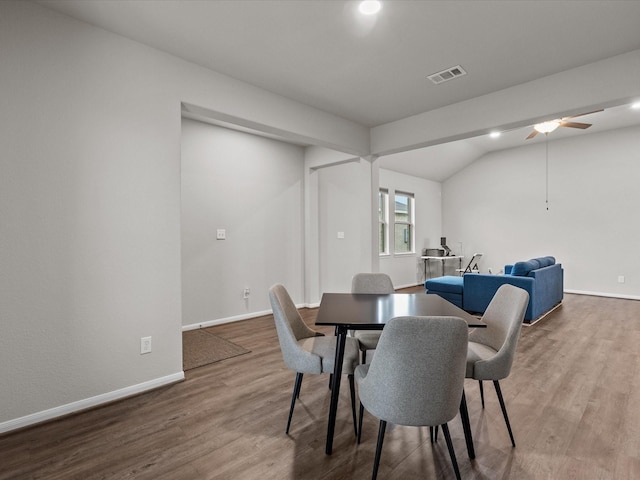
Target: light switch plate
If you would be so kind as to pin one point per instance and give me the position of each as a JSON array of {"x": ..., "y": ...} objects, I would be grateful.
[{"x": 145, "y": 345}]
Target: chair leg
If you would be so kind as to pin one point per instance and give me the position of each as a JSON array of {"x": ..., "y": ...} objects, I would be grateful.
[
  {"x": 360, "y": 421},
  {"x": 364, "y": 357},
  {"x": 352, "y": 387},
  {"x": 481, "y": 393},
  {"x": 504, "y": 411},
  {"x": 452, "y": 453},
  {"x": 330, "y": 380},
  {"x": 376, "y": 461},
  {"x": 296, "y": 394},
  {"x": 433, "y": 432},
  {"x": 466, "y": 426}
]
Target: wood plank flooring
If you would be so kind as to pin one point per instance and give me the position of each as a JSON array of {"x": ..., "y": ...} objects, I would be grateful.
[{"x": 573, "y": 398}]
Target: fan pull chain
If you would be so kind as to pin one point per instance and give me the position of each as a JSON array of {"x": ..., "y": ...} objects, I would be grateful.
[{"x": 546, "y": 198}]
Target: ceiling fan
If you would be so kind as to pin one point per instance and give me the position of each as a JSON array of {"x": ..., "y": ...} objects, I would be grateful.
[{"x": 550, "y": 125}]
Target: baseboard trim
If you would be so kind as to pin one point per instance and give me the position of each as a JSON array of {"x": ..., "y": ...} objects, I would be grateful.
[
  {"x": 220, "y": 321},
  {"x": 601, "y": 294},
  {"x": 91, "y": 402}
]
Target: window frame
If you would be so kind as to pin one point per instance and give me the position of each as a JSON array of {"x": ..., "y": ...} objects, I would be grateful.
[
  {"x": 383, "y": 222},
  {"x": 410, "y": 223}
]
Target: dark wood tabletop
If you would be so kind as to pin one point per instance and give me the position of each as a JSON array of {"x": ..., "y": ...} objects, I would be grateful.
[{"x": 371, "y": 312}]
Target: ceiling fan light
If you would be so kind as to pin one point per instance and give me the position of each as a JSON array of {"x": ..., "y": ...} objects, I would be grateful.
[{"x": 547, "y": 127}]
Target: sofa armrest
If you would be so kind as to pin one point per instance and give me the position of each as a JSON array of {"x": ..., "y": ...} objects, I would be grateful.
[
  {"x": 479, "y": 289},
  {"x": 549, "y": 287}
]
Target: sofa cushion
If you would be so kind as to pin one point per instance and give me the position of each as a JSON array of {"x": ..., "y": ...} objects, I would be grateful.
[
  {"x": 522, "y": 269},
  {"x": 545, "y": 261},
  {"x": 536, "y": 263},
  {"x": 446, "y": 284}
]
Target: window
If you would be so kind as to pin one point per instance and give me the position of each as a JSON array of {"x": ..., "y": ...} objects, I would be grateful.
[
  {"x": 403, "y": 223},
  {"x": 383, "y": 222}
]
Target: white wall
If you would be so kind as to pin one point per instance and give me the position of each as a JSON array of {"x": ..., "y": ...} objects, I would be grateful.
[
  {"x": 497, "y": 206},
  {"x": 90, "y": 133},
  {"x": 253, "y": 188},
  {"x": 407, "y": 270},
  {"x": 345, "y": 205},
  {"x": 90, "y": 214}
]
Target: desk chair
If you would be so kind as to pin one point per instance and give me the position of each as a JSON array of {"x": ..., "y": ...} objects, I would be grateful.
[
  {"x": 492, "y": 349},
  {"x": 306, "y": 351},
  {"x": 471, "y": 266},
  {"x": 416, "y": 377},
  {"x": 379, "y": 283}
]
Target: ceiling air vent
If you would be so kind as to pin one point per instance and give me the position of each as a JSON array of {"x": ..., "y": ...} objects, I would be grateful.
[{"x": 446, "y": 75}]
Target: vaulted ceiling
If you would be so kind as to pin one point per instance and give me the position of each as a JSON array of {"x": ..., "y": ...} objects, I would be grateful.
[{"x": 373, "y": 70}]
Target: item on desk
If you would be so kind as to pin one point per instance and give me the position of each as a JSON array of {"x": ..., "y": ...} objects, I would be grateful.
[
  {"x": 433, "y": 252},
  {"x": 443, "y": 244}
]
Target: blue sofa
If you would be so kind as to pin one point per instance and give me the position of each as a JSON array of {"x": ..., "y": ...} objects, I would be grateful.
[{"x": 541, "y": 277}]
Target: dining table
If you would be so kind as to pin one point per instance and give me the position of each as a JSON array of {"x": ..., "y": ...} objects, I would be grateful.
[{"x": 350, "y": 311}]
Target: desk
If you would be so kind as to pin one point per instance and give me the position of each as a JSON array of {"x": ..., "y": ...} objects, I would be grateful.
[
  {"x": 346, "y": 311},
  {"x": 442, "y": 259}
]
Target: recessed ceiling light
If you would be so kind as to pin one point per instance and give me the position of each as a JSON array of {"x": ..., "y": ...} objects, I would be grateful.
[
  {"x": 494, "y": 134},
  {"x": 370, "y": 7},
  {"x": 635, "y": 106}
]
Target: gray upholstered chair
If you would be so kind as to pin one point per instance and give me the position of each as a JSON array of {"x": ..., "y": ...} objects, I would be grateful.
[
  {"x": 492, "y": 349},
  {"x": 416, "y": 376},
  {"x": 376, "y": 283},
  {"x": 306, "y": 351}
]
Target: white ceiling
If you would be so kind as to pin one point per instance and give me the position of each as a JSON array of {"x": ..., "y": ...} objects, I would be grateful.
[{"x": 373, "y": 70}]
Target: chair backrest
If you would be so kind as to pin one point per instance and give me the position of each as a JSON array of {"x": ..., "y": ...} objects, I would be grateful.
[
  {"x": 379, "y": 283},
  {"x": 291, "y": 328},
  {"x": 417, "y": 374},
  {"x": 503, "y": 317}
]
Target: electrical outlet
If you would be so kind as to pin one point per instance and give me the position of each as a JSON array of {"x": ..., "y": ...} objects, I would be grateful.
[
  {"x": 145, "y": 345},
  {"x": 221, "y": 234},
  {"x": 246, "y": 292},
  {"x": 620, "y": 278}
]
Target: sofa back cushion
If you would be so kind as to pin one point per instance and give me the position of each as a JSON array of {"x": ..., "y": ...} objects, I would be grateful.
[
  {"x": 546, "y": 261},
  {"x": 522, "y": 269}
]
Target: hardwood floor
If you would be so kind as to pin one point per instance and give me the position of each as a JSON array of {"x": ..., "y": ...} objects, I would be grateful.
[{"x": 573, "y": 399}]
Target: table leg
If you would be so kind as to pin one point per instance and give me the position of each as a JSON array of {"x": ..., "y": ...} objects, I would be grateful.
[
  {"x": 341, "y": 340},
  {"x": 466, "y": 426}
]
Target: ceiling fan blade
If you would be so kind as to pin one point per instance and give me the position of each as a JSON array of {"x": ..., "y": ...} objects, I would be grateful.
[
  {"x": 582, "y": 114},
  {"x": 575, "y": 125},
  {"x": 532, "y": 134}
]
